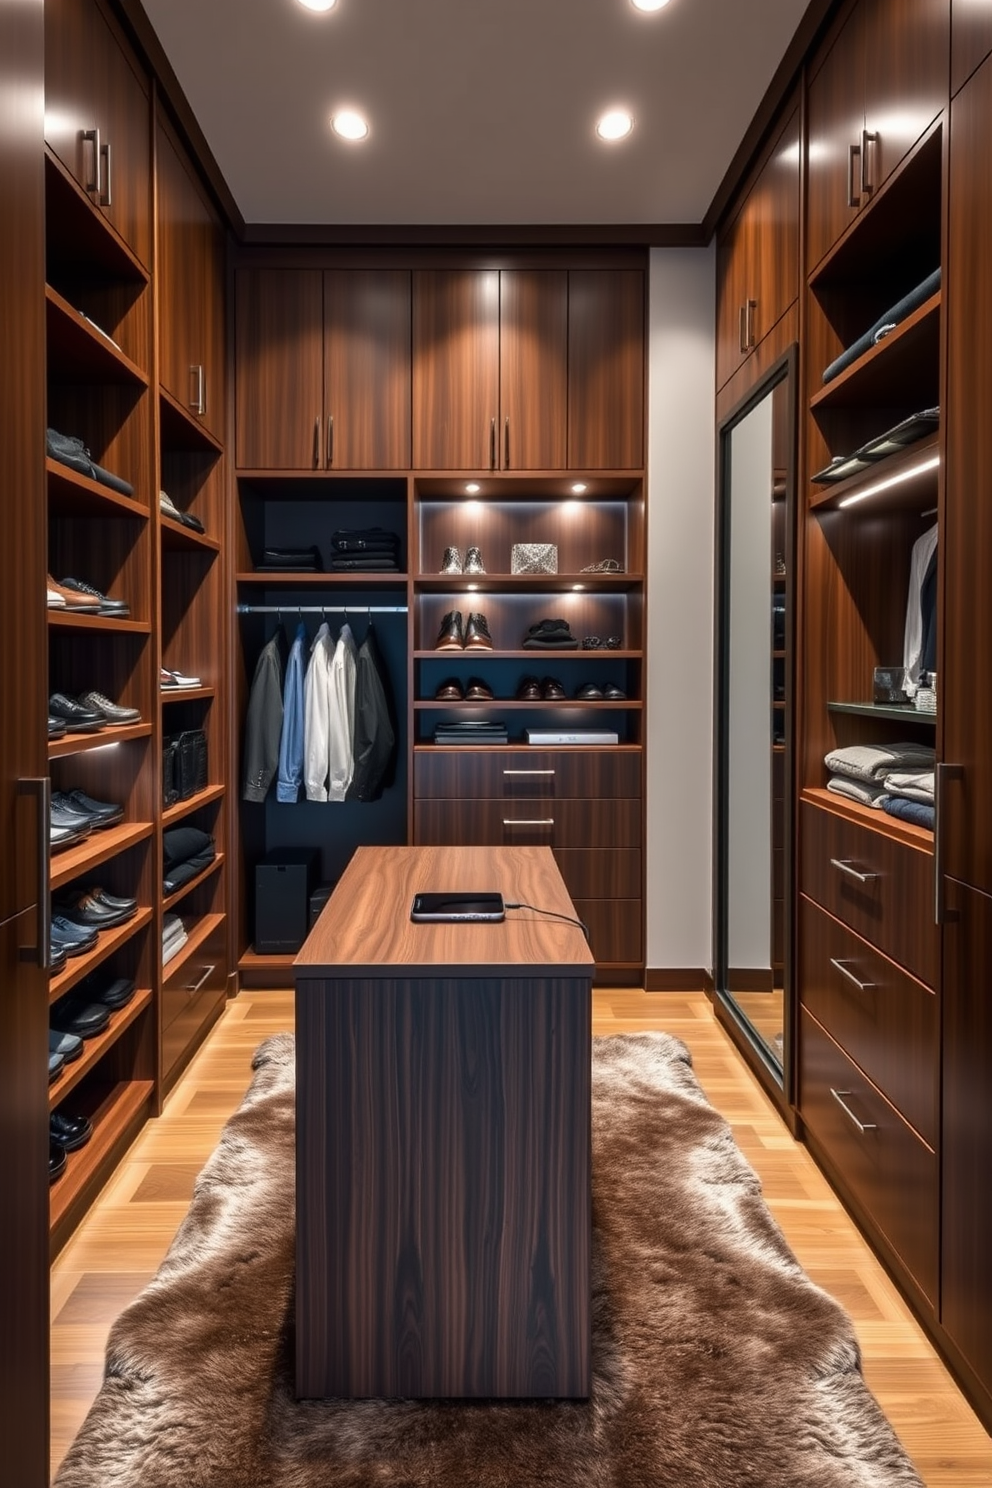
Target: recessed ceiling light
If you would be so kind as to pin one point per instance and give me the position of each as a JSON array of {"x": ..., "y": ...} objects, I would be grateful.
[
  {"x": 318, "y": 4},
  {"x": 642, "y": 4},
  {"x": 615, "y": 124},
  {"x": 349, "y": 124}
]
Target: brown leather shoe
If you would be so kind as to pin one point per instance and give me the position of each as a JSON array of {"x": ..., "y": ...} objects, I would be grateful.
[
  {"x": 477, "y": 691},
  {"x": 529, "y": 690},
  {"x": 450, "y": 637},
  {"x": 72, "y": 599},
  {"x": 552, "y": 690},
  {"x": 477, "y": 637},
  {"x": 450, "y": 691}
]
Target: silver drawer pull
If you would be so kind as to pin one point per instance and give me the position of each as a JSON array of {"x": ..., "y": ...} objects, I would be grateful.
[
  {"x": 195, "y": 986},
  {"x": 842, "y": 968},
  {"x": 854, "y": 873},
  {"x": 863, "y": 1126},
  {"x": 528, "y": 821},
  {"x": 528, "y": 772}
]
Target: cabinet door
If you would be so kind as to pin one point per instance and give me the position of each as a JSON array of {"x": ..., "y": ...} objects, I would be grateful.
[
  {"x": 836, "y": 115},
  {"x": 367, "y": 369},
  {"x": 455, "y": 369},
  {"x": 966, "y": 537},
  {"x": 92, "y": 82},
  {"x": 966, "y": 1280},
  {"x": 279, "y": 369},
  {"x": 971, "y": 38},
  {"x": 773, "y": 239},
  {"x": 181, "y": 273},
  {"x": 733, "y": 259},
  {"x": 533, "y": 369},
  {"x": 906, "y": 61},
  {"x": 605, "y": 369}
]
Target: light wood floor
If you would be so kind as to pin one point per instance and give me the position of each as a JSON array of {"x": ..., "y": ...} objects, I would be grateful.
[{"x": 118, "y": 1247}]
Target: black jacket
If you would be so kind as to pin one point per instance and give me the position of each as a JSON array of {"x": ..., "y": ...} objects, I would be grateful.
[
  {"x": 375, "y": 730},
  {"x": 263, "y": 725}
]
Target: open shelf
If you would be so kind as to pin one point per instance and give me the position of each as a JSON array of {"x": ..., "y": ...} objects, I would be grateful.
[
  {"x": 559, "y": 583},
  {"x": 901, "y": 368},
  {"x": 108, "y": 941},
  {"x": 78, "y": 350},
  {"x": 539, "y": 659},
  {"x": 73, "y": 495},
  {"x": 181, "y": 539},
  {"x": 906, "y": 487},
  {"x": 869, "y": 816},
  {"x": 902, "y": 712},
  {"x": 112, "y": 734},
  {"x": 79, "y": 620},
  {"x": 71, "y": 219},
  {"x": 175, "y": 813},
  {"x": 539, "y": 485},
  {"x": 201, "y": 931},
  {"x": 113, "y": 1113},
  {"x": 510, "y": 704},
  {"x": 97, "y": 848},
  {"x": 187, "y": 888},
  {"x": 182, "y": 430},
  {"x": 424, "y": 746},
  {"x": 373, "y": 579},
  {"x": 95, "y": 1048},
  {"x": 184, "y": 694}
]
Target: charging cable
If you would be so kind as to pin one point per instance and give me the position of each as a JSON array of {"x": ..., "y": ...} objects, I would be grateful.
[{"x": 569, "y": 919}]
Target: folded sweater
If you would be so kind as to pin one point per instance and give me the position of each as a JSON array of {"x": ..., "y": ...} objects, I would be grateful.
[
  {"x": 873, "y": 762},
  {"x": 857, "y": 790},
  {"x": 911, "y": 785}
]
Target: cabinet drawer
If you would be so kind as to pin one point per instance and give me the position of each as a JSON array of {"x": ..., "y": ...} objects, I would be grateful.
[
  {"x": 190, "y": 995},
  {"x": 887, "y": 1168},
  {"x": 449, "y": 773},
  {"x": 616, "y": 930},
  {"x": 610, "y": 873},
  {"x": 537, "y": 822},
  {"x": 888, "y": 1027},
  {"x": 892, "y": 907}
]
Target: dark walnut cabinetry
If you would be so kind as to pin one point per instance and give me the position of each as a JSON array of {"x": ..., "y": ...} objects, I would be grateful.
[
  {"x": 881, "y": 82},
  {"x": 758, "y": 255},
  {"x": 971, "y": 38},
  {"x": 520, "y": 369},
  {"x": 323, "y": 369}
]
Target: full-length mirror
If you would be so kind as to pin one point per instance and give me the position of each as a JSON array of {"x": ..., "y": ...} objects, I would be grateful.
[{"x": 755, "y": 574}]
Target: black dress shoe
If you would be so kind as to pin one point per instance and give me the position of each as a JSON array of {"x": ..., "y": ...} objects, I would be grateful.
[
  {"x": 75, "y": 1015},
  {"x": 84, "y": 909},
  {"x": 59, "y": 837},
  {"x": 68, "y": 1046},
  {"x": 63, "y": 814},
  {"x": 111, "y": 712},
  {"x": 114, "y": 901},
  {"x": 56, "y": 727},
  {"x": 529, "y": 690},
  {"x": 450, "y": 637},
  {"x": 102, "y": 813},
  {"x": 57, "y": 959},
  {"x": 56, "y": 1064},
  {"x": 477, "y": 637},
  {"x": 552, "y": 690},
  {"x": 589, "y": 693},
  {"x": 72, "y": 939},
  {"x": 77, "y": 719},
  {"x": 114, "y": 995},
  {"x": 57, "y": 1161},
  {"x": 71, "y": 1132},
  {"x": 614, "y": 693},
  {"x": 107, "y": 605}
]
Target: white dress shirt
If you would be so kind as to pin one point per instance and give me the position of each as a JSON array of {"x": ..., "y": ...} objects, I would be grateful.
[
  {"x": 341, "y": 716},
  {"x": 316, "y": 711}
]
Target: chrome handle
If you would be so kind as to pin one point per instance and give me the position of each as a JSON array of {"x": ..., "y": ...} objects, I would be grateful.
[
  {"x": 198, "y": 402},
  {"x": 316, "y": 443},
  {"x": 942, "y": 773},
  {"x": 492, "y": 444},
  {"x": 107, "y": 195},
  {"x": 528, "y": 772},
  {"x": 193, "y": 987},
  {"x": 524, "y": 821},
  {"x": 863, "y": 1126},
  {"x": 41, "y": 788},
  {"x": 742, "y": 329},
  {"x": 842, "y": 968},
  {"x": 853, "y": 200},
  {"x": 94, "y": 135},
  {"x": 330, "y": 439},
  {"x": 750, "y": 307},
  {"x": 506, "y": 443},
  {"x": 868, "y": 137},
  {"x": 853, "y": 872}
]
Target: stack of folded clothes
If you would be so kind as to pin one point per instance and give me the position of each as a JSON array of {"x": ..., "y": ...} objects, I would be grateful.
[
  {"x": 290, "y": 560},
  {"x": 365, "y": 549},
  {"x": 187, "y": 851},
  {"x": 168, "y": 508},
  {"x": 470, "y": 732},
  {"x": 550, "y": 635},
  {"x": 72, "y": 452},
  {"x": 909, "y": 796},
  {"x": 884, "y": 324},
  {"x": 174, "y": 937},
  {"x": 862, "y": 771}
]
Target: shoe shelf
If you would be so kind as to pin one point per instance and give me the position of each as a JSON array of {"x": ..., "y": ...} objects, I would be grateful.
[
  {"x": 909, "y": 487},
  {"x": 78, "y": 620},
  {"x": 181, "y": 431},
  {"x": 895, "y": 369},
  {"x": 200, "y": 932},
  {"x": 426, "y": 746},
  {"x": 110, "y": 734},
  {"x": 868, "y": 816},
  {"x": 184, "y": 694},
  {"x": 178, "y": 538},
  {"x": 288, "y": 580},
  {"x": 96, "y": 849},
  {"x": 176, "y": 812},
  {"x": 71, "y": 494},
  {"x": 540, "y": 660},
  {"x": 95, "y": 1048},
  {"x": 187, "y": 888},
  {"x": 625, "y": 705},
  {"x": 560, "y": 583},
  {"x": 90, "y": 240},
  {"x": 115, "y": 1112},
  {"x": 78, "y": 352},
  {"x": 108, "y": 941}
]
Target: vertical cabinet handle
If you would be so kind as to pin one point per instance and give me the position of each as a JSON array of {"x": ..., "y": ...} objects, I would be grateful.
[
  {"x": 198, "y": 401},
  {"x": 506, "y": 443},
  {"x": 92, "y": 136},
  {"x": 492, "y": 444},
  {"x": 868, "y": 137},
  {"x": 750, "y": 307},
  {"x": 41, "y": 788},
  {"x": 853, "y": 199},
  {"x": 107, "y": 193},
  {"x": 942, "y": 774},
  {"x": 742, "y": 329},
  {"x": 316, "y": 443},
  {"x": 330, "y": 439}
]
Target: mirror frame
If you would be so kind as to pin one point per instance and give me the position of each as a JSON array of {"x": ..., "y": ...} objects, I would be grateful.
[{"x": 781, "y": 1086}]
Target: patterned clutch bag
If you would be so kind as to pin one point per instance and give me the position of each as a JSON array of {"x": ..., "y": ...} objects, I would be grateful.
[{"x": 534, "y": 558}]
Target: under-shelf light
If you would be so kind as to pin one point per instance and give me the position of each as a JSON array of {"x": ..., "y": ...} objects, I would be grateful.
[
  {"x": 473, "y": 488},
  {"x": 892, "y": 480},
  {"x": 578, "y": 488}
]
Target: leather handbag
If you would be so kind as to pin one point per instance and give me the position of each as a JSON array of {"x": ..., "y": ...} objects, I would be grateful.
[
  {"x": 188, "y": 754},
  {"x": 170, "y": 785}
]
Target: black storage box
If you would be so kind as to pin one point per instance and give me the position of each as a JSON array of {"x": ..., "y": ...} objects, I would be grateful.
[
  {"x": 318, "y": 899},
  {"x": 284, "y": 881}
]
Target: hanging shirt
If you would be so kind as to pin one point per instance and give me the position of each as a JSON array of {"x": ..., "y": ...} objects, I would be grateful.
[
  {"x": 341, "y": 716},
  {"x": 923, "y": 548},
  {"x": 264, "y": 722},
  {"x": 291, "y": 738},
  {"x": 375, "y": 734},
  {"x": 316, "y": 699}
]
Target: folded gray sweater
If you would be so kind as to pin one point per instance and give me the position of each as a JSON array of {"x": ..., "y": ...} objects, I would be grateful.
[{"x": 873, "y": 762}]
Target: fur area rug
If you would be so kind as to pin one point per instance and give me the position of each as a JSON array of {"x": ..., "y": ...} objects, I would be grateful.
[{"x": 717, "y": 1363}]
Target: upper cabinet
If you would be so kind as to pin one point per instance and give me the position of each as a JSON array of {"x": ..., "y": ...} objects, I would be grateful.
[
  {"x": 880, "y": 84},
  {"x": 98, "y": 116},
  {"x": 191, "y": 285},
  {"x": 971, "y": 38},
  {"x": 521, "y": 369},
  {"x": 323, "y": 369},
  {"x": 758, "y": 257}
]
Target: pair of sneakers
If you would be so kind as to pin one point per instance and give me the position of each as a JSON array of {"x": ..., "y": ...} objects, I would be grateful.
[{"x": 452, "y": 561}]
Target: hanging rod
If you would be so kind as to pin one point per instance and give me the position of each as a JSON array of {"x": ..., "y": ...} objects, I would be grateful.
[{"x": 334, "y": 609}]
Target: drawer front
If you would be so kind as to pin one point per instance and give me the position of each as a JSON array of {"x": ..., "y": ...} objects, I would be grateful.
[
  {"x": 891, "y": 905},
  {"x": 190, "y": 996},
  {"x": 526, "y": 773},
  {"x": 540, "y": 822},
  {"x": 616, "y": 928},
  {"x": 888, "y": 1025},
  {"x": 610, "y": 873},
  {"x": 887, "y": 1168}
]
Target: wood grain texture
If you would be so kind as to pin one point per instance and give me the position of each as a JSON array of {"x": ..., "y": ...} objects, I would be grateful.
[
  {"x": 456, "y": 369},
  {"x": 606, "y": 369},
  {"x": 907, "y": 48},
  {"x": 279, "y": 375},
  {"x": 971, "y": 38},
  {"x": 533, "y": 369},
  {"x": 522, "y": 773},
  {"x": 541, "y": 822},
  {"x": 452, "y": 1258},
  {"x": 835, "y": 118},
  {"x": 367, "y": 369},
  {"x": 583, "y": 534},
  {"x": 365, "y": 929}
]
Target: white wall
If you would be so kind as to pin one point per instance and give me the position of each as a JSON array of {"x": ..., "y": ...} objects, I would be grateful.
[{"x": 681, "y": 468}]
